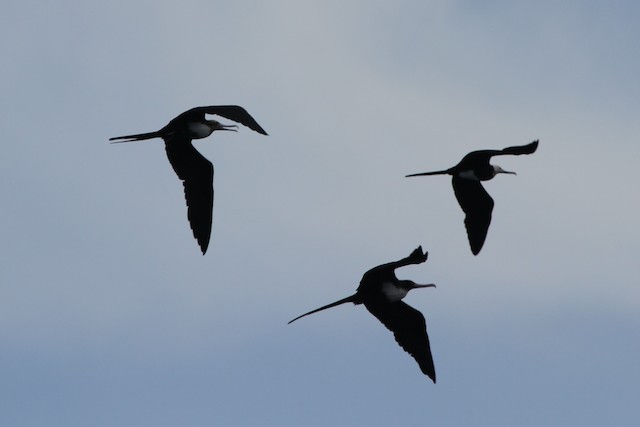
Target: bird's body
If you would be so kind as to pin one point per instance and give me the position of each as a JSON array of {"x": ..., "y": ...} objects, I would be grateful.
[
  {"x": 382, "y": 292},
  {"x": 192, "y": 168},
  {"x": 474, "y": 200}
]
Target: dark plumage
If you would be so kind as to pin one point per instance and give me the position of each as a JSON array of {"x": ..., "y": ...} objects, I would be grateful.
[
  {"x": 474, "y": 200},
  {"x": 192, "y": 168},
  {"x": 381, "y": 293}
]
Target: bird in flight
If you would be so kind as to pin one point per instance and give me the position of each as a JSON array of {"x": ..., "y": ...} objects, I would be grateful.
[
  {"x": 474, "y": 200},
  {"x": 192, "y": 168},
  {"x": 382, "y": 292}
]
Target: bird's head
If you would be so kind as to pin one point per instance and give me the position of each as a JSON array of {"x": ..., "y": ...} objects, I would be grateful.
[
  {"x": 497, "y": 169},
  {"x": 216, "y": 125}
]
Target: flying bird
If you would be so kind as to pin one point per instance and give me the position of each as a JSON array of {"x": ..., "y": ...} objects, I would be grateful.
[
  {"x": 381, "y": 293},
  {"x": 474, "y": 200},
  {"x": 192, "y": 168}
]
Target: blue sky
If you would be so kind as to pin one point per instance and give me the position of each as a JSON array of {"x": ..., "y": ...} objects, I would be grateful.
[{"x": 110, "y": 316}]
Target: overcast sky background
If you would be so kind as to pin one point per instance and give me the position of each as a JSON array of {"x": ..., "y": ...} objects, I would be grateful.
[{"x": 110, "y": 316}]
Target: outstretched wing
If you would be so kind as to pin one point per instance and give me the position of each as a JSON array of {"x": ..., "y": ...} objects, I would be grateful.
[
  {"x": 477, "y": 205},
  {"x": 410, "y": 330},
  {"x": 520, "y": 149},
  {"x": 479, "y": 158},
  {"x": 231, "y": 112},
  {"x": 196, "y": 172}
]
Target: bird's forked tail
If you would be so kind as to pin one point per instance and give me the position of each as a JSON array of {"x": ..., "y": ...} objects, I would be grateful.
[
  {"x": 333, "y": 304},
  {"x": 136, "y": 137},
  {"x": 445, "y": 172}
]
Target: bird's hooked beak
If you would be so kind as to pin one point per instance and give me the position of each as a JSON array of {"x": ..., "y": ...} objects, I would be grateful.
[
  {"x": 498, "y": 170},
  {"x": 410, "y": 284},
  {"x": 416, "y": 285},
  {"x": 216, "y": 125},
  {"x": 233, "y": 128}
]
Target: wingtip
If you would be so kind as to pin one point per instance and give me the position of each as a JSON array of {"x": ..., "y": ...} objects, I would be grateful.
[
  {"x": 476, "y": 247},
  {"x": 203, "y": 246},
  {"x": 430, "y": 371},
  {"x": 431, "y": 375}
]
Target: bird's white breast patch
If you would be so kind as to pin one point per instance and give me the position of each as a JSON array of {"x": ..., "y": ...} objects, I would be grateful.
[
  {"x": 199, "y": 130},
  {"x": 393, "y": 292}
]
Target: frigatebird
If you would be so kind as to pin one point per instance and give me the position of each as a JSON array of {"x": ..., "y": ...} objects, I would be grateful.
[
  {"x": 192, "y": 168},
  {"x": 474, "y": 200},
  {"x": 381, "y": 293}
]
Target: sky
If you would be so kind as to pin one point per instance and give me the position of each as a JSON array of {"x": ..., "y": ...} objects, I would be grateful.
[{"x": 111, "y": 316}]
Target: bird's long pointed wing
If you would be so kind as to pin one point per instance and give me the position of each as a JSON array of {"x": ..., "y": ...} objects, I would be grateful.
[
  {"x": 410, "y": 330},
  {"x": 196, "y": 172},
  {"x": 520, "y": 149},
  {"x": 476, "y": 158},
  {"x": 231, "y": 112},
  {"x": 477, "y": 205}
]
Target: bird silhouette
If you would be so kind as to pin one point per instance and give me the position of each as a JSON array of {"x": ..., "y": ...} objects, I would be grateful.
[
  {"x": 381, "y": 293},
  {"x": 474, "y": 200},
  {"x": 195, "y": 171}
]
